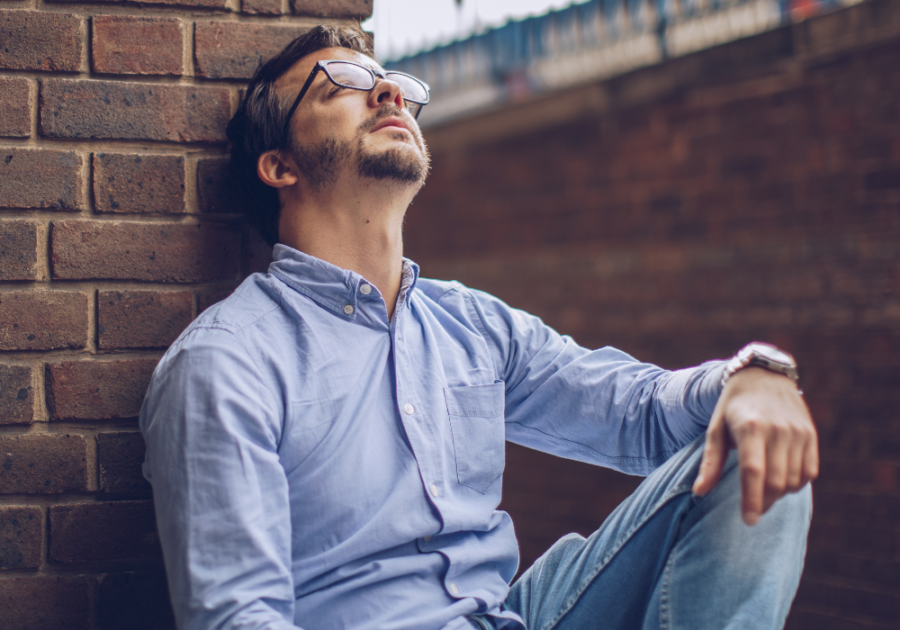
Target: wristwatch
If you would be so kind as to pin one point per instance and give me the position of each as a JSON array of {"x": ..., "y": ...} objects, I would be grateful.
[{"x": 763, "y": 355}]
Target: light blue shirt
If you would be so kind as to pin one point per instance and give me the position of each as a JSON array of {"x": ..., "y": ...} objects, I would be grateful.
[{"x": 317, "y": 465}]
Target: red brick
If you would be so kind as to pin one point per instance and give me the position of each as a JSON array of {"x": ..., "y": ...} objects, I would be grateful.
[
  {"x": 333, "y": 8},
  {"x": 142, "y": 319},
  {"x": 96, "y": 532},
  {"x": 43, "y": 320},
  {"x": 16, "y": 394},
  {"x": 41, "y": 40},
  {"x": 133, "y": 111},
  {"x": 233, "y": 50},
  {"x": 41, "y": 178},
  {"x": 45, "y": 603},
  {"x": 21, "y": 536},
  {"x": 15, "y": 102},
  {"x": 123, "y": 44},
  {"x": 206, "y": 4},
  {"x": 268, "y": 7},
  {"x": 216, "y": 187},
  {"x": 134, "y": 600},
  {"x": 139, "y": 183},
  {"x": 18, "y": 250},
  {"x": 97, "y": 390},
  {"x": 208, "y": 297},
  {"x": 121, "y": 456},
  {"x": 42, "y": 463},
  {"x": 158, "y": 252}
]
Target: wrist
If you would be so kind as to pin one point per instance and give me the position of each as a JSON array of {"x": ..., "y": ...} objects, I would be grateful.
[{"x": 761, "y": 355}]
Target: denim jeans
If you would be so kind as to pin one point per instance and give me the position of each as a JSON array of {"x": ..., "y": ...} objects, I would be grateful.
[{"x": 665, "y": 559}]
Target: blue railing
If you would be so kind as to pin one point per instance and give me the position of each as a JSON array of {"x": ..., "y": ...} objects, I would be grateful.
[{"x": 586, "y": 41}]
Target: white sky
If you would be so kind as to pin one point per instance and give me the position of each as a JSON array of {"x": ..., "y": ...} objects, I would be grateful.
[{"x": 407, "y": 26}]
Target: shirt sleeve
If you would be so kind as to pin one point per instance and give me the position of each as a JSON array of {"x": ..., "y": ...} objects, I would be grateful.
[
  {"x": 598, "y": 406},
  {"x": 212, "y": 428}
]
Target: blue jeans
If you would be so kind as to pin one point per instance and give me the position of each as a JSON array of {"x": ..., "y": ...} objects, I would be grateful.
[{"x": 665, "y": 559}]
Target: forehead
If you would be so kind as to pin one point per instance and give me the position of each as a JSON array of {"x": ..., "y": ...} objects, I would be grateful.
[{"x": 296, "y": 76}]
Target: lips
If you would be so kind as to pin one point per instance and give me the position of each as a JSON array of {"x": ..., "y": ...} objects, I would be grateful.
[{"x": 390, "y": 121}]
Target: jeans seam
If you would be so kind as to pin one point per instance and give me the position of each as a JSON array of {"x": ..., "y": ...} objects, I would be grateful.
[
  {"x": 566, "y": 607},
  {"x": 665, "y": 610}
]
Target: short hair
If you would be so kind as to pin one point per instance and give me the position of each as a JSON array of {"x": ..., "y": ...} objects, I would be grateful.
[{"x": 258, "y": 124}]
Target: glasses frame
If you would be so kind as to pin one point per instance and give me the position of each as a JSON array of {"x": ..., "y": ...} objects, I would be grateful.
[{"x": 323, "y": 67}]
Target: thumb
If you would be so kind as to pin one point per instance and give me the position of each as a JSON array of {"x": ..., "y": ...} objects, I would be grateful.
[{"x": 715, "y": 450}]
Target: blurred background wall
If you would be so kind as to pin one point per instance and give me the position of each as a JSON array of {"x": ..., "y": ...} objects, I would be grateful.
[{"x": 748, "y": 191}]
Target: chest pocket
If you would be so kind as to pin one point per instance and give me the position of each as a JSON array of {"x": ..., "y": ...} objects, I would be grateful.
[{"x": 479, "y": 433}]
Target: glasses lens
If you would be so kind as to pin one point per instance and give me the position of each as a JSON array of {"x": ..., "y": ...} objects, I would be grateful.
[
  {"x": 351, "y": 75},
  {"x": 410, "y": 88}
]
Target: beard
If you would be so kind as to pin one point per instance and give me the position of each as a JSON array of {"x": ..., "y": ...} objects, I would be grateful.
[{"x": 322, "y": 163}]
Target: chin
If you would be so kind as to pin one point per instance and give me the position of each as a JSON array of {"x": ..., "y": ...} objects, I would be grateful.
[{"x": 400, "y": 164}]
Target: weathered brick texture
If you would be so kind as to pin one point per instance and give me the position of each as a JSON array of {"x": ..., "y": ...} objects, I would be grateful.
[
  {"x": 265, "y": 7},
  {"x": 158, "y": 252},
  {"x": 41, "y": 178},
  {"x": 16, "y": 394},
  {"x": 142, "y": 319},
  {"x": 18, "y": 250},
  {"x": 43, "y": 320},
  {"x": 360, "y": 9},
  {"x": 134, "y": 600},
  {"x": 21, "y": 537},
  {"x": 37, "y": 40},
  {"x": 15, "y": 102},
  {"x": 42, "y": 463},
  {"x": 97, "y": 532},
  {"x": 139, "y": 183},
  {"x": 120, "y": 456},
  {"x": 133, "y": 111},
  {"x": 135, "y": 4},
  {"x": 232, "y": 50},
  {"x": 124, "y": 44},
  {"x": 108, "y": 110},
  {"x": 45, "y": 603},
  {"x": 97, "y": 390},
  {"x": 216, "y": 186}
]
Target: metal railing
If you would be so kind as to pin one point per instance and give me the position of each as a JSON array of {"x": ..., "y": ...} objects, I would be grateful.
[{"x": 587, "y": 41}]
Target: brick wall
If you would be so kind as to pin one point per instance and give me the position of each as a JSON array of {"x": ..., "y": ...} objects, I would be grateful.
[
  {"x": 750, "y": 191},
  {"x": 114, "y": 234}
]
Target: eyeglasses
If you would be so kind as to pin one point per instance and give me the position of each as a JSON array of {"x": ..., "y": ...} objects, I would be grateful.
[{"x": 356, "y": 77}]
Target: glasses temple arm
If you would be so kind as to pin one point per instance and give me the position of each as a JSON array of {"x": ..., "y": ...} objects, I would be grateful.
[{"x": 303, "y": 91}]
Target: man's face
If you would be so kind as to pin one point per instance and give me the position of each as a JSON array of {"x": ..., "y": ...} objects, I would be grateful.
[{"x": 335, "y": 130}]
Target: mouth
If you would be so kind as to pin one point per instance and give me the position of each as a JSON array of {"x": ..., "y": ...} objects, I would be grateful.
[{"x": 391, "y": 122}]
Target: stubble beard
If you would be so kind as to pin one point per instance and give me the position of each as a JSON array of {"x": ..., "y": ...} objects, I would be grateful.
[{"x": 322, "y": 163}]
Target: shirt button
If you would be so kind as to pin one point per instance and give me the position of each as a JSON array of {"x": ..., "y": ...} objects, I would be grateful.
[
  {"x": 409, "y": 409},
  {"x": 434, "y": 490},
  {"x": 426, "y": 538},
  {"x": 454, "y": 589},
  {"x": 348, "y": 309},
  {"x": 365, "y": 289}
]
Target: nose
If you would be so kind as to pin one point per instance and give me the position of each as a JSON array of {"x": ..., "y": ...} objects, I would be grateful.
[{"x": 385, "y": 91}]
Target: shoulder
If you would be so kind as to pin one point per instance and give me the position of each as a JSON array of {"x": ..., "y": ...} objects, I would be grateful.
[{"x": 227, "y": 327}]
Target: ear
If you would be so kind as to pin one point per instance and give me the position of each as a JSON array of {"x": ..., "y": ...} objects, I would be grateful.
[{"x": 275, "y": 171}]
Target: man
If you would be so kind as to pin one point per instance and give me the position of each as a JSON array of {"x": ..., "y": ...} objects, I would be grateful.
[{"x": 326, "y": 446}]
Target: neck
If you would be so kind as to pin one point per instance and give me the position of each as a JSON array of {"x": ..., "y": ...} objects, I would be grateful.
[{"x": 355, "y": 225}]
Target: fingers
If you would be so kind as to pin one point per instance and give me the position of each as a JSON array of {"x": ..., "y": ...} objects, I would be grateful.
[
  {"x": 752, "y": 463},
  {"x": 715, "y": 450}
]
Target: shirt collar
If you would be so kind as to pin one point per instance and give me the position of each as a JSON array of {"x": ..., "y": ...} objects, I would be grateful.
[{"x": 330, "y": 286}]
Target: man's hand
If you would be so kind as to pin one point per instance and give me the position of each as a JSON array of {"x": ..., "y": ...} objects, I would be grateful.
[{"x": 762, "y": 415}]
